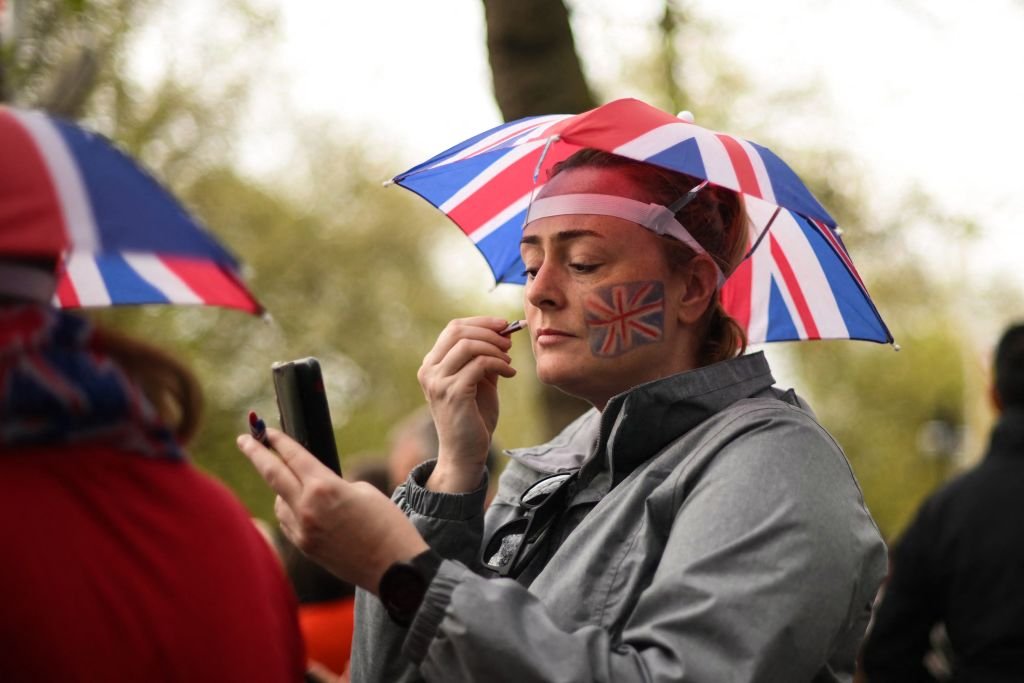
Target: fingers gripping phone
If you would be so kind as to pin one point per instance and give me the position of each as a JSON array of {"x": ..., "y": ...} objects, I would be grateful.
[{"x": 302, "y": 405}]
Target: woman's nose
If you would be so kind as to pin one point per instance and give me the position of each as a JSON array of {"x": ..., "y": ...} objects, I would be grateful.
[{"x": 546, "y": 289}]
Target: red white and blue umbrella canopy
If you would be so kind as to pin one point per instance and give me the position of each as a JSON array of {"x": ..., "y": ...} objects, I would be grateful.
[
  {"x": 797, "y": 282},
  {"x": 120, "y": 237}
]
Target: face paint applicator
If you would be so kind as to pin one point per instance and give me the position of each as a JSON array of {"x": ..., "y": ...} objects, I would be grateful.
[{"x": 513, "y": 327}]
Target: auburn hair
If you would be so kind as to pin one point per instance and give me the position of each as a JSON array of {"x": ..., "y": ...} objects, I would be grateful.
[
  {"x": 168, "y": 384},
  {"x": 715, "y": 217}
]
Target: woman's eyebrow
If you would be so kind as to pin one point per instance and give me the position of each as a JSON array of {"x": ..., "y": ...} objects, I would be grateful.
[{"x": 562, "y": 236}]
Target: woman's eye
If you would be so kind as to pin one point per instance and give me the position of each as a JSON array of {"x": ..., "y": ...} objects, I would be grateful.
[
  {"x": 529, "y": 273},
  {"x": 583, "y": 267}
]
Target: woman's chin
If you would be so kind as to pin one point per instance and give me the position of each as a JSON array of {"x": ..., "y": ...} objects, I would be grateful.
[
  {"x": 558, "y": 373},
  {"x": 567, "y": 378}
]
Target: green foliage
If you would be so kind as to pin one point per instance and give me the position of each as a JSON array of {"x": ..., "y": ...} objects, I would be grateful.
[{"x": 877, "y": 404}]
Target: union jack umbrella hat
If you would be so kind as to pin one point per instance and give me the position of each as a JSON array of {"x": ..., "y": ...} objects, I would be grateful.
[
  {"x": 117, "y": 235},
  {"x": 797, "y": 281}
]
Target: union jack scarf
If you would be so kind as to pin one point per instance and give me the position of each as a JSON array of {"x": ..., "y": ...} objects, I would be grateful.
[{"x": 57, "y": 387}]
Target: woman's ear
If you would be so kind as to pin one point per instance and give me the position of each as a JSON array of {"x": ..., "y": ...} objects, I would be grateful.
[{"x": 700, "y": 280}]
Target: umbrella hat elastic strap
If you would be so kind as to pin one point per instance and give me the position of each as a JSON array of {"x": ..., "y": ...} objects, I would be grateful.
[
  {"x": 26, "y": 283},
  {"x": 654, "y": 217}
]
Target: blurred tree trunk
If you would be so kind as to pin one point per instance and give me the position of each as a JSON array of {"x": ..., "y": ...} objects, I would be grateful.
[
  {"x": 668, "y": 56},
  {"x": 535, "y": 70},
  {"x": 534, "y": 66},
  {"x": 74, "y": 82},
  {"x": 55, "y": 51}
]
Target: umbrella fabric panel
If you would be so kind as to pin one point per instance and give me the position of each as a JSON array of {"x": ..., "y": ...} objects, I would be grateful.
[
  {"x": 94, "y": 197},
  {"x": 477, "y": 195},
  {"x": 817, "y": 271},
  {"x": 140, "y": 278},
  {"x": 78, "y": 227},
  {"x": 795, "y": 286},
  {"x": 859, "y": 313},
  {"x": 480, "y": 183},
  {"x": 724, "y": 160},
  {"x": 626, "y": 127},
  {"x": 133, "y": 209},
  {"x": 31, "y": 222},
  {"x": 789, "y": 190},
  {"x": 501, "y": 251},
  {"x": 501, "y": 136},
  {"x": 485, "y": 186},
  {"x": 120, "y": 237},
  {"x": 497, "y": 235}
]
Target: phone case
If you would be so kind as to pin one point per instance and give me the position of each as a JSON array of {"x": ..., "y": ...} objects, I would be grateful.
[{"x": 302, "y": 405}]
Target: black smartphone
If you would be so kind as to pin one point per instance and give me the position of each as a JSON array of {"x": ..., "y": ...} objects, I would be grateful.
[{"x": 302, "y": 405}]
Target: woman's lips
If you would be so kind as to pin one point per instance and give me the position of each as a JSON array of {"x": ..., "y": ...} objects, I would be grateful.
[{"x": 550, "y": 335}]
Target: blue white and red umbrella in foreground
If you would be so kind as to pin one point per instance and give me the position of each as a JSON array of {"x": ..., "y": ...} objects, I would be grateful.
[
  {"x": 797, "y": 282},
  {"x": 117, "y": 235}
]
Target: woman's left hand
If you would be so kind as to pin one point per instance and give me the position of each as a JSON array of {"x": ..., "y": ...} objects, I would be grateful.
[{"x": 350, "y": 528}]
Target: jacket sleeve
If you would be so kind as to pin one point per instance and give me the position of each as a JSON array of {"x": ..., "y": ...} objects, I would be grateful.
[
  {"x": 762, "y": 572},
  {"x": 453, "y": 526},
  {"x": 899, "y": 638}
]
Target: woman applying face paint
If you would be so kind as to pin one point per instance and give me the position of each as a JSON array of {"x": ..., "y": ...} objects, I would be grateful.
[{"x": 696, "y": 525}]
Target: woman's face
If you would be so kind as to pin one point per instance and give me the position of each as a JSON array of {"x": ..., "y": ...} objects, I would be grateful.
[{"x": 601, "y": 302}]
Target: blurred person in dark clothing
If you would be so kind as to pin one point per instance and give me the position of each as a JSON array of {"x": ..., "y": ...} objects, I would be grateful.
[{"x": 960, "y": 562}]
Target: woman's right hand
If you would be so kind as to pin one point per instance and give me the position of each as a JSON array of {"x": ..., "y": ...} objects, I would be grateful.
[{"x": 459, "y": 377}]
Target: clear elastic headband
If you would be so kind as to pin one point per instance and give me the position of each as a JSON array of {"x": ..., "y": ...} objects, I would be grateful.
[{"x": 654, "y": 217}]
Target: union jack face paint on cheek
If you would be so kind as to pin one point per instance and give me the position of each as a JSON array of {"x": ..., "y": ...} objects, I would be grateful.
[{"x": 621, "y": 317}]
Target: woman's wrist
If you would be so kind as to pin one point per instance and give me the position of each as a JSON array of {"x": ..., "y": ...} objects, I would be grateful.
[{"x": 460, "y": 478}]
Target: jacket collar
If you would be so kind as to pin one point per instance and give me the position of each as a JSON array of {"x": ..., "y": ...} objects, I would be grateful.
[
  {"x": 641, "y": 422},
  {"x": 638, "y": 423}
]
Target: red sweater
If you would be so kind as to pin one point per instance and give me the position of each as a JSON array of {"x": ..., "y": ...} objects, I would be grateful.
[{"x": 114, "y": 567}]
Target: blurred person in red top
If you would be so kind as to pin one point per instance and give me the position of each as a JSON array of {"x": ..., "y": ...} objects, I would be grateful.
[{"x": 123, "y": 562}]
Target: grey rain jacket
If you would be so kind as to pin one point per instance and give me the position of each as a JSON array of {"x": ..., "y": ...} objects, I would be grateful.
[{"x": 718, "y": 534}]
